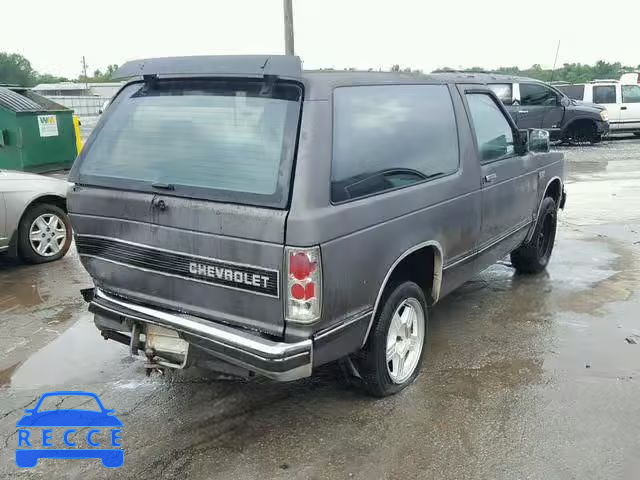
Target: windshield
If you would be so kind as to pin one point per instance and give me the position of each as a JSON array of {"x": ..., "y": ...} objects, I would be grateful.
[
  {"x": 227, "y": 140},
  {"x": 75, "y": 402}
]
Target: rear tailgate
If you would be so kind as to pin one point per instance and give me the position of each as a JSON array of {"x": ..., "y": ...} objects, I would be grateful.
[
  {"x": 218, "y": 261},
  {"x": 181, "y": 195}
]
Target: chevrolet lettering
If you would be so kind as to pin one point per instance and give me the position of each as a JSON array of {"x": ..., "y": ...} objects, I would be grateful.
[{"x": 229, "y": 275}]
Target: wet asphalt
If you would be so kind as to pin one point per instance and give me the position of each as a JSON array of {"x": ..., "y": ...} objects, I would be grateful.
[{"x": 525, "y": 378}]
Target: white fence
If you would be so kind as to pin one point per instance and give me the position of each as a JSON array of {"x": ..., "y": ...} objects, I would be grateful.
[{"x": 83, "y": 106}]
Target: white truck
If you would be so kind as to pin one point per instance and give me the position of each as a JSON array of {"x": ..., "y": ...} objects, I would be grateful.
[{"x": 621, "y": 98}]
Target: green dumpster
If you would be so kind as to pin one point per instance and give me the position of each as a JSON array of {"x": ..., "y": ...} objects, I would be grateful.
[{"x": 36, "y": 134}]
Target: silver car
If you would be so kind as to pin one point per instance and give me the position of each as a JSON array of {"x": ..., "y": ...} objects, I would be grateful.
[{"x": 33, "y": 217}]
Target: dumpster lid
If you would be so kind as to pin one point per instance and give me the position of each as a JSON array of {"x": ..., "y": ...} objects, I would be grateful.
[
  {"x": 17, "y": 103},
  {"x": 21, "y": 99},
  {"x": 281, "y": 65}
]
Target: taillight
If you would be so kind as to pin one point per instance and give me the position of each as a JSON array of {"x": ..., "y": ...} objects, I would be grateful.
[{"x": 304, "y": 284}]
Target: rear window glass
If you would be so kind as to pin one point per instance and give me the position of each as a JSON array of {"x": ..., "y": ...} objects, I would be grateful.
[
  {"x": 503, "y": 91},
  {"x": 391, "y": 136},
  {"x": 222, "y": 140},
  {"x": 575, "y": 92}
]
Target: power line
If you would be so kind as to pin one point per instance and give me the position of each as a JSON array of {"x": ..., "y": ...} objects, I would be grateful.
[{"x": 84, "y": 70}]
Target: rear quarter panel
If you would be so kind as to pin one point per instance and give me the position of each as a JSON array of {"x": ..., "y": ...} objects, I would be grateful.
[{"x": 360, "y": 240}]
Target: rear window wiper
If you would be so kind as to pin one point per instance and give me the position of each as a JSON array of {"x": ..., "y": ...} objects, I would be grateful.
[{"x": 163, "y": 186}]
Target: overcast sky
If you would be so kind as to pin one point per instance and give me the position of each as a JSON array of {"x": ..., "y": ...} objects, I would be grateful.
[{"x": 54, "y": 35}]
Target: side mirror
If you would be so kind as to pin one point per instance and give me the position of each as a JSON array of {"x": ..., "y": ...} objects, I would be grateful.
[
  {"x": 564, "y": 101},
  {"x": 539, "y": 141},
  {"x": 29, "y": 410}
]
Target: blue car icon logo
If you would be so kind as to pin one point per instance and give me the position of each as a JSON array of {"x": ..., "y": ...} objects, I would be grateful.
[{"x": 36, "y": 438}]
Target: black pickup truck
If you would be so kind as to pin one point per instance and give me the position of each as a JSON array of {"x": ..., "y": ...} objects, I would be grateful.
[{"x": 534, "y": 104}]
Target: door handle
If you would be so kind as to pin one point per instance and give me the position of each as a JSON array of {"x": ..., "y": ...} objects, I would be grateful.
[
  {"x": 623, "y": 108},
  {"x": 523, "y": 111},
  {"x": 490, "y": 178}
]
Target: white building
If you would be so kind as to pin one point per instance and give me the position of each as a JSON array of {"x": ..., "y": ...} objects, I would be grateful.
[
  {"x": 106, "y": 89},
  {"x": 86, "y": 99}
]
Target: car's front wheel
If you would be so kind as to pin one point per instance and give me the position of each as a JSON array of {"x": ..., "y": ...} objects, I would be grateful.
[
  {"x": 44, "y": 234},
  {"x": 393, "y": 356},
  {"x": 533, "y": 256},
  {"x": 583, "y": 131}
]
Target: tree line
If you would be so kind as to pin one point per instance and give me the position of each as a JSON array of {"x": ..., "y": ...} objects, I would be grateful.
[
  {"x": 15, "y": 69},
  {"x": 568, "y": 72}
]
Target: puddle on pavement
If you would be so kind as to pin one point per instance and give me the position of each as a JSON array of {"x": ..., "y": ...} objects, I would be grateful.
[
  {"x": 596, "y": 273},
  {"x": 610, "y": 201},
  {"x": 588, "y": 279},
  {"x": 79, "y": 355},
  {"x": 7, "y": 373},
  {"x": 580, "y": 264},
  {"x": 583, "y": 276},
  {"x": 19, "y": 294},
  {"x": 474, "y": 383},
  {"x": 597, "y": 350},
  {"x": 25, "y": 288}
]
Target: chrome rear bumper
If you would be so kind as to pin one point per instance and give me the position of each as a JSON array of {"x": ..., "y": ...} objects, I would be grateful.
[{"x": 277, "y": 360}]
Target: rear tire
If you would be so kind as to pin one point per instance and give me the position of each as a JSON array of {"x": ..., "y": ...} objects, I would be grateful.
[
  {"x": 393, "y": 356},
  {"x": 44, "y": 234},
  {"x": 534, "y": 256}
]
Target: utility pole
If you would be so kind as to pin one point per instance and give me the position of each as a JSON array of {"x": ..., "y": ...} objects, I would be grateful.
[
  {"x": 553, "y": 70},
  {"x": 288, "y": 28},
  {"x": 84, "y": 71}
]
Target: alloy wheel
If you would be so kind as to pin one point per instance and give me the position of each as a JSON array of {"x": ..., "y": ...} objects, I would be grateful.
[
  {"x": 405, "y": 340},
  {"x": 47, "y": 235}
]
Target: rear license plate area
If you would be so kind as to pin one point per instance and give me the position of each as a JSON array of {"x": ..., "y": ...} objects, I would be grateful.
[{"x": 165, "y": 347}]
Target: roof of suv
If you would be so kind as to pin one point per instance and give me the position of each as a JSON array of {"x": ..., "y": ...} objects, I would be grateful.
[
  {"x": 288, "y": 66},
  {"x": 323, "y": 80},
  {"x": 320, "y": 82}
]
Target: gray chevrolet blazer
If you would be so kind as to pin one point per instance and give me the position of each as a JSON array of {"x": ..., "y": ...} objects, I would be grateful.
[{"x": 240, "y": 213}]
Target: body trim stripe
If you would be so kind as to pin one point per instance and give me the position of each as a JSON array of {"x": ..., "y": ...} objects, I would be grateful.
[{"x": 212, "y": 271}]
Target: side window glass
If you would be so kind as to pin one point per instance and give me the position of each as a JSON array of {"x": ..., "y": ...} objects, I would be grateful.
[
  {"x": 390, "y": 136},
  {"x": 573, "y": 91},
  {"x": 630, "y": 93},
  {"x": 503, "y": 91},
  {"x": 604, "y": 94},
  {"x": 492, "y": 129},
  {"x": 537, "y": 94}
]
